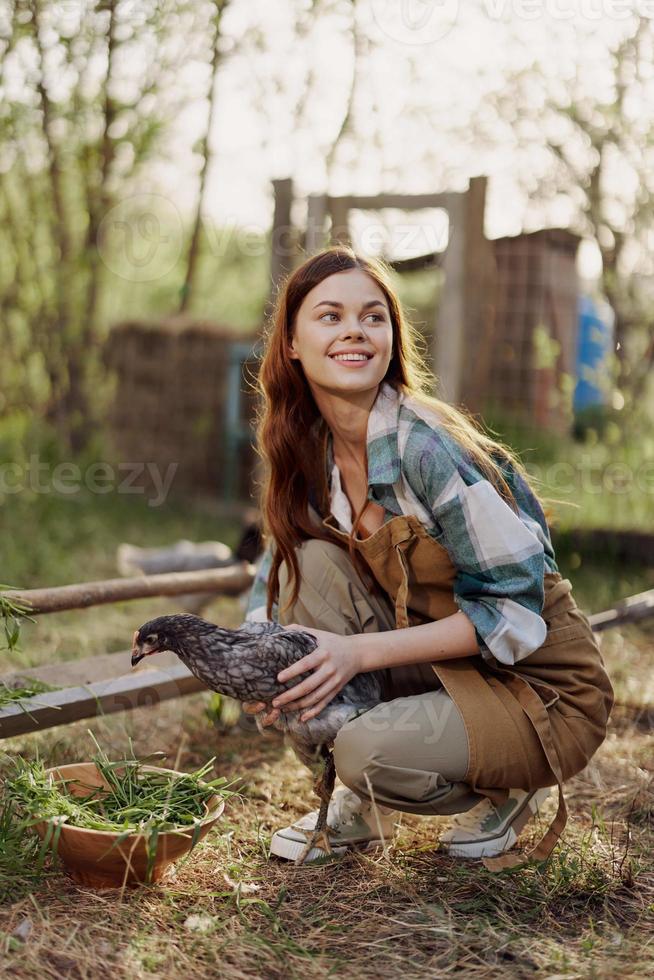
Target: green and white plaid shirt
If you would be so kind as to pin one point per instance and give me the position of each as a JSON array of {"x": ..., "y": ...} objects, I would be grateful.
[{"x": 416, "y": 467}]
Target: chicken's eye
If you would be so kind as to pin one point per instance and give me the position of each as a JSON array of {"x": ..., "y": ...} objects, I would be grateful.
[{"x": 152, "y": 638}]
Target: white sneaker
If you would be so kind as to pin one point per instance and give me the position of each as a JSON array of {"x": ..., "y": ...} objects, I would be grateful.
[
  {"x": 486, "y": 830},
  {"x": 352, "y": 823}
]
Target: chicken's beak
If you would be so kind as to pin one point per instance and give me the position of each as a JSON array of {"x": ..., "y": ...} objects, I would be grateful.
[{"x": 138, "y": 650}]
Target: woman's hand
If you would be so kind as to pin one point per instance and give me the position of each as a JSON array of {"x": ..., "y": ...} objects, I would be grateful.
[{"x": 333, "y": 663}]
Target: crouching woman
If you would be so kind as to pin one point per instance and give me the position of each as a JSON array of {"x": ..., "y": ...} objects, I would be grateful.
[{"x": 408, "y": 541}]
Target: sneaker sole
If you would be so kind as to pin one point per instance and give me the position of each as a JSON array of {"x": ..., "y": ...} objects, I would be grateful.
[
  {"x": 497, "y": 845},
  {"x": 291, "y": 850}
]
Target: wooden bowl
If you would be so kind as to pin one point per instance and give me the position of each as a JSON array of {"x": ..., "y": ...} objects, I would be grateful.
[{"x": 93, "y": 858}]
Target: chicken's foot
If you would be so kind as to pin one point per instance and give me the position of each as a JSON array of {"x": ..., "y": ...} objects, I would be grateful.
[{"x": 323, "y": 787}]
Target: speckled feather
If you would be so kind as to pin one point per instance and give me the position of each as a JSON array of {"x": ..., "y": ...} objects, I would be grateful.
[{"x": 244, "y": 663}]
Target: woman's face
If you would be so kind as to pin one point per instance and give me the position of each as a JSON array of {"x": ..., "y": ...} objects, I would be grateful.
[{"x": 345, "y": 313}]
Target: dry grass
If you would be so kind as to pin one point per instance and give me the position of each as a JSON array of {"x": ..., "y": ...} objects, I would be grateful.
[{"x": 410, "y": 912}]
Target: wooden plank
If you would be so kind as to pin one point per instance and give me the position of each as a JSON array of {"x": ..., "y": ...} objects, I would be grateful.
[
  {"x": 479, "y": 280},
  {"x": 138, "y": 689},
  {"x": 448, "y": 346},
  {"x": 223, "y": 581},
  {"x": 404, "y": 202},
  {"x": 633, "y": 609},
  {"x": 86, "y": 670},
  {"x": 339, "y": 211},
  {"x": 316, "y": 220},
  {"x": 283, "y": 247}
]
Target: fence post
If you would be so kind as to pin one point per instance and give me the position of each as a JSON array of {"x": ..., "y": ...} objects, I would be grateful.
[
  {"x": 339, "y": 210},
  {"x": 283, "y": 244},
  {"x": 316, "y": 214},
  {"x": 463, "y": 328}
]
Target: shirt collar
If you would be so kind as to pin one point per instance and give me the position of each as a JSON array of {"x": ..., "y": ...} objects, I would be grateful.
[{"x": 381, "y": 439}]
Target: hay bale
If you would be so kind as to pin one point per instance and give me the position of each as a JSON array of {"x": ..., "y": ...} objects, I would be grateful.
[{"x": 170, "y": 401}]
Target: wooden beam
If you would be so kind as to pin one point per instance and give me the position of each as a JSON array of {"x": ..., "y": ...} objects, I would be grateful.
[
  {"x": 339, "y": 211},
  {"x": 404, "y": 202},
  {"x": 283, "y": 244},
  {"x": 479, "y": 289},
  {"x": 140, "y": 689},
  {"x": 463, "y": 336},
  {"x": 448, "y": 346},
  {"x": 86, "y": 670},
  {"x": 633, "y": 609},
  {"x": 316, "y": 236},
  {"x": 223, "y": 581}
]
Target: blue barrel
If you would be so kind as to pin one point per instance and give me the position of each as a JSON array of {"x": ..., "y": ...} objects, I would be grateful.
[{"x": 594, "y": 346}]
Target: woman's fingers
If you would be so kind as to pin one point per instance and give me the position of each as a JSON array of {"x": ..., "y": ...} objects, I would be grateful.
[
  {"x": 299, "y": 667},
  {"x": 317, "y": 708},
  {"x": 270, "y": 717},
  {"x": 327, "y": 690},
  {"x": 300, "y": 690}
]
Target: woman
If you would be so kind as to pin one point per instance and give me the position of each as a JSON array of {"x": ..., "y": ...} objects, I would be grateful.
[{"x": 408, "y": 541}]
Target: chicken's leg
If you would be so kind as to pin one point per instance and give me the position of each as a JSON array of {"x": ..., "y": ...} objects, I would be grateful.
[{"x": 323, "y": 787}]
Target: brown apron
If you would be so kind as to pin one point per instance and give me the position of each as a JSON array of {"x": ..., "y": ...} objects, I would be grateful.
[{"x": 530, "y": 725}]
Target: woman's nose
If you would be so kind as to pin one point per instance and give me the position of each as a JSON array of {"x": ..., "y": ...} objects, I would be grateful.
[{"x": 352, "y": 328}]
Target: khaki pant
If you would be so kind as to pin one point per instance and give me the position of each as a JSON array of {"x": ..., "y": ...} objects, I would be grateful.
[{"x": 410, "y": 752}]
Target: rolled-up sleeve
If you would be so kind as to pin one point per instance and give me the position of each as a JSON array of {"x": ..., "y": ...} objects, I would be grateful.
[
  {"x": 256, "y": 606},
  {"x": 499, "y": 561}
]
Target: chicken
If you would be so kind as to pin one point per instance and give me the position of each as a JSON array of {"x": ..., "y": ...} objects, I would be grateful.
[{"x": 243, "y": 663}]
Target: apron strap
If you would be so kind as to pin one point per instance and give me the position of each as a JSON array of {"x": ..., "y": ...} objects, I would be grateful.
[
  {"x": 401, "y": 599},
  {"x": 536, "y": 711}
]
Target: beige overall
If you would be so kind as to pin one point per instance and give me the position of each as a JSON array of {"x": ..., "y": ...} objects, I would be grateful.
[{"x": 528, "y": 726}]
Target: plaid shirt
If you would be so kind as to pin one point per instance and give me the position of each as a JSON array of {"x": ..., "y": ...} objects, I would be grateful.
[{"x": 416, "y": 467}]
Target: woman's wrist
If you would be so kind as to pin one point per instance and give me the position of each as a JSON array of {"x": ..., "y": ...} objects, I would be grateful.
[
  {"x": 371, "y": 652},
  {"x": 445, "y": 639}
]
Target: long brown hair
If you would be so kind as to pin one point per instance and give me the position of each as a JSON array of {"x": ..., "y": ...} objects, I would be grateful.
[{"x": 291, "y": 432}]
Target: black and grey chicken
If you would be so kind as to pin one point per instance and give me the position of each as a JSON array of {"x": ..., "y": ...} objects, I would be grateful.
[{"x": 243, "y": 663}]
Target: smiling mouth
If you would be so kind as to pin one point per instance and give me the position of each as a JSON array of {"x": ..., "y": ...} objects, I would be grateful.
[{"x": 349, "y": 359}]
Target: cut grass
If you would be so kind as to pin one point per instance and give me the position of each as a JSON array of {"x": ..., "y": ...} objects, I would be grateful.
[
  {"x": 21, "y": 855},
  {"x": 135, "y": 799},
  {"x": 12, "y": 613},
  {"x": 21, "y": 690}
]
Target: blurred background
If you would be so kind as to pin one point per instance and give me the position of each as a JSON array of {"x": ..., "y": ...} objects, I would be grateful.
[{"x": 163, "y": 164}]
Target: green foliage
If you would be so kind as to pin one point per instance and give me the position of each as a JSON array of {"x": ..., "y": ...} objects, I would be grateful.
[
  {"x": 79, "y": 128},
  {"x": 26, "y": 687},
  {"x": 21, "y": 856},
  {"x": 599, "y": 479},
  {"x": 222, "y": 712},
  {"x": 12, "y": 612}
]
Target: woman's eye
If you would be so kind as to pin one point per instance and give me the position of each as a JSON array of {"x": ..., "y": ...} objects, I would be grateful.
[{"x": 377, "y": 317}]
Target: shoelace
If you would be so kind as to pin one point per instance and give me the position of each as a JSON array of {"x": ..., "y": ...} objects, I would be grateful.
[{"x": 343, "y": 808}]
